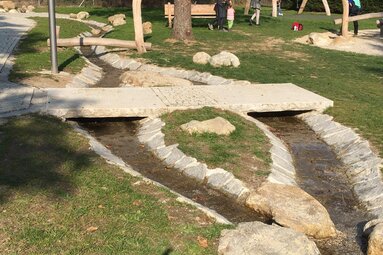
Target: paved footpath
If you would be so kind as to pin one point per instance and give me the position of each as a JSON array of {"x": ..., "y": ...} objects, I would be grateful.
[{"x": 131, "y": 101}]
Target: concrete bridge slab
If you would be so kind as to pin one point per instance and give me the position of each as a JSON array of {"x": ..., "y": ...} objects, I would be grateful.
[{"x": 142, "y": 102}]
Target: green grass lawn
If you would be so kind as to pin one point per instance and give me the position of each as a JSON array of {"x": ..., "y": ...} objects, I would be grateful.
[
  {"x": 33, "y": 54},
  {"x": 58, "y": 197},
  {"x": 268, "y": 55},
  {"x": 245, "y": 152}
]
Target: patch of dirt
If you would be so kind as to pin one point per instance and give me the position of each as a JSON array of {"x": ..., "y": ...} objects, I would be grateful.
[
  {"x": 367, "y": 42},
  {"x": 44, "y": 81},
  {"x": 269, "y": 44},
  {"x": 294, "y": 55}
]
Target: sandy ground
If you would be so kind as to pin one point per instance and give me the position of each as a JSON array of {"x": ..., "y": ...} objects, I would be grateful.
[
  {"x": 367, "y": 42},
  {"x": 47, "y": 81}
]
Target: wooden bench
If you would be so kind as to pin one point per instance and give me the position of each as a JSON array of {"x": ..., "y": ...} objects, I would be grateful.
[{"x": 198, "y": 11}]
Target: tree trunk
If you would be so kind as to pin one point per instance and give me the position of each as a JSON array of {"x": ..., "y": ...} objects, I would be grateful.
[
  {"x": 182, "y": 20},
  {"x": 345, "y": 18},
  {"x": 138, "y": 31}
]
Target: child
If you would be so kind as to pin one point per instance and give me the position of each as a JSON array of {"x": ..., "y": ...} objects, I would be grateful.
[
  {"x": 256, "y": 5},
  {"x": 230, "y": 16}
]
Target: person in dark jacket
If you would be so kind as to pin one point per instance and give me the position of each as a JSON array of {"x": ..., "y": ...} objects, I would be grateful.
[
  {"x": 355, "y": 9},
  {"x": 220, "y": 10}
]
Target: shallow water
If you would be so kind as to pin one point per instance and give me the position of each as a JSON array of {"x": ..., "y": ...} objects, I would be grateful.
[
  {"x": 119, "y": 135},
  {"x": 322, "y": 175}
]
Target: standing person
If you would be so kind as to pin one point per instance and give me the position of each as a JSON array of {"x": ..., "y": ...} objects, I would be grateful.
[
  {"x": 220, "y": 15},
  {"x": 230, "y": 15},
  {"x": 256, "y": 5},
  {"x": 355, "y": 8}
]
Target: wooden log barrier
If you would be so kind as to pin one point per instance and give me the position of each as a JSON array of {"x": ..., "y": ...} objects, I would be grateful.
[
  {"x": 361, "y": 17},
  {"x": 94, "y": 41}
]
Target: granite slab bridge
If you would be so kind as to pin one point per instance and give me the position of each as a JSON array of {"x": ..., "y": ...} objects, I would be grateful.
[{"x": 144, "y": 102}]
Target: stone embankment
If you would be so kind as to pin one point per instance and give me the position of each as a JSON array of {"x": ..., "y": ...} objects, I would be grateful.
[{"x": 363, "y": 170}]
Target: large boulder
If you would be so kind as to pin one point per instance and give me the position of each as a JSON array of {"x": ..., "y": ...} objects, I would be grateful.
[
  {"x": 82, "y": 15},
  {"x": 30, "y": 8},
  {"x": 218, "y": 125},
  {"x": 291, "y": 207},
  {"x": 319, "y": 39},
  {"x": 117, "y": 19},
  {"x": 7, "y": 5},
  {"x": 224, "y": 58},
  {"x": 256, "y": 238},
  {"x": 151, "y": 79},
  {"x": 147, "y": 28},
  {"x": 201, "y": 58},
  {"x": 2, "y": 10},
  {"x": 375, "y": 240},
  {"x": 13, "y": 11}
]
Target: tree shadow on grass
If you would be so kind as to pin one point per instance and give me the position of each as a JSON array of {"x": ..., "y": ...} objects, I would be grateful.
[
  {"x": 39, "y": 156},
  {"x": 68, "y": 61}
]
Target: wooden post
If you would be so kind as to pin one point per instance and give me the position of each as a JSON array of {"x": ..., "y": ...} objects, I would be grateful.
[
  {"x": 274, "y": 11},
  {"x": 90, "y": 41},
  {"x": 169, "y": 14},
  {"x": 345, "y": 18},
  {"x": 303, "y": 5},
  {"x": 326, "y": 7},
  {"x": 247, "y": 7},
  {"x": 58, "y": 31},
  {"x": 138, "y": 30}
]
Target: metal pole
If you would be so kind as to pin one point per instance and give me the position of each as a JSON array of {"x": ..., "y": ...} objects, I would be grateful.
[{"x": 52, "y": 35}]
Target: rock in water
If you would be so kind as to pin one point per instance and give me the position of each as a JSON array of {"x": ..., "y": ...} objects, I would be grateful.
[
  {"x": 218, "y": 125},
  {"x": 201, "y": 58},
  {"x": 151, "y": 79},
  {"x": 256, "y": 238},
  {"x": 224, "y": 59},
  {"x": 292, "y": 207}
]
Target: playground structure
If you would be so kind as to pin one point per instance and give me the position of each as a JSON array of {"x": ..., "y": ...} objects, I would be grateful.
[
  {"x": 274, "y": 4},
  {"x": 325, "y": 4},
  {"x": 345, "y": 20}
]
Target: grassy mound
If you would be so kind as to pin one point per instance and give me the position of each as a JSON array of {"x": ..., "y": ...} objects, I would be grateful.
[{"x": 245, "y": 152}]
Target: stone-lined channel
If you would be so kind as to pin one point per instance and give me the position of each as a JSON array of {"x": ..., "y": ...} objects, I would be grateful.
[
  {"x": 322, "y": 175},
  {"x": 119, "y": 135}
]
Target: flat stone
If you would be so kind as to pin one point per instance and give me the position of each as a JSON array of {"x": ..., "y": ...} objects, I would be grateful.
[
  {"x": 144, "y": 138},
  {"x": 281, "y": 153},
  {"x": 156, "y": 142},
  {"x": 279, "y": 178},
  {"x": 291, "y": 207},
  {"x": 197, "y": 172},
  {"x": 257, "y": 238},
  {"x": 174, "y": 156},
  {"x": 184, "y": 163},
  {"x": 236, "y": 189},
  {"x": 218, "y": 177},
  {"x": 164, "y": 152},
  {"x": 216, "y": 80}
]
